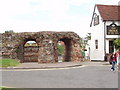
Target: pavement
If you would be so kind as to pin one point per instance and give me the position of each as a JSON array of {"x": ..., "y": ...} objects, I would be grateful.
[{"x": 56, "y": 65}]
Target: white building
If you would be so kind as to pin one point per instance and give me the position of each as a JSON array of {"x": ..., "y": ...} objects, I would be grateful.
[{"x": 105, "y": 26}]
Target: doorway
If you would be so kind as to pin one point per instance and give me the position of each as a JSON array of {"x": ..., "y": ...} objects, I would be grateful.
[
  {"x": 64, "y": 50},
  {"x": 30, "y": 51},
  {"x": 111, "y": 47}
]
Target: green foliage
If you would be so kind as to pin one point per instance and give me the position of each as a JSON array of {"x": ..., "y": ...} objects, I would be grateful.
[
  {"x": 9, "y": 31},
  {"x": 84, "y": 41},
  {"x": 32, "y": 44},
  {"x": 88, "y": 37},
  {"x": 117, "y": 43},
  {"x": 61, "y": 49},
  {"x": 8, "y": 62}
]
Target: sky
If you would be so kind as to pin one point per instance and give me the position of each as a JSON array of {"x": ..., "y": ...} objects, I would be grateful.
[{"x": 48, "y": 15}]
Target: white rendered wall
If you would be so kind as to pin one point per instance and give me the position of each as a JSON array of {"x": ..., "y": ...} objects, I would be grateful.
[
  {"x": 97, "y": 34},
  {"x": 107, "y": 46}
]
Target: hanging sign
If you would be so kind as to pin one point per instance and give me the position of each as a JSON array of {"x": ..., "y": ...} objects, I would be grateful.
[{"x": 113, "y": 29}]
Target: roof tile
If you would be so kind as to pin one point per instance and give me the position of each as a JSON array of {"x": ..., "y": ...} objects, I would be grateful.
[{"x": 109, "y": 12}]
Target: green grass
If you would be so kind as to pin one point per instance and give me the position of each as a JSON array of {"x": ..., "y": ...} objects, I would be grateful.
[
  {"x": 1, "y": 88},
  {"x": 8, "y": 88},
  {"x": 8, "y": 62}
]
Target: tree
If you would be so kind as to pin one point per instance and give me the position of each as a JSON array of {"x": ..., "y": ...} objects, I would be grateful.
[
  {"x": 9, "y": 31},
  {"x": 87, "y": 38},
  {"x": 84, "y": 42},
  {"x": 117, "y": 43},
  {"x": 82, "y": 45}
]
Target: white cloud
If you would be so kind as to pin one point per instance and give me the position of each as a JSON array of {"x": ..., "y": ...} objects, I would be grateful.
[
  {"x": 78, "y": 2},
  {"x": 109, "y": 2},
  {"x": 56, "y": 19}
]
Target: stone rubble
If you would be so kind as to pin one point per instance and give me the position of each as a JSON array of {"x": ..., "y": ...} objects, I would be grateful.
[{"x": 13, "y": 45}]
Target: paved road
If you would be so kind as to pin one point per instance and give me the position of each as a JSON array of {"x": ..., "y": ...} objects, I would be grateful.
[{"x": 82, "y": 77}]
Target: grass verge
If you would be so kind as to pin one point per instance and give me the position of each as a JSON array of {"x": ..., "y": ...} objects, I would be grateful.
[{"x": 8, "y": 62}]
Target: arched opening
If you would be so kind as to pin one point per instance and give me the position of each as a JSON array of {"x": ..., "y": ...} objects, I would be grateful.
[
  {"x": 30, "y": 51},
  {"x": 61, "y": 51},
  {"x": 64, "y": 49}
]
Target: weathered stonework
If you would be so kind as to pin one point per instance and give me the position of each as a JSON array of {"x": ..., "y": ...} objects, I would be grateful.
[{"x": 13, "y": 45}]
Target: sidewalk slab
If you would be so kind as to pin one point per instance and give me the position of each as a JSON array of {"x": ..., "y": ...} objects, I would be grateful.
[
  {"x": 45, "y": 66},
  {"x": 55, "y": 65}
]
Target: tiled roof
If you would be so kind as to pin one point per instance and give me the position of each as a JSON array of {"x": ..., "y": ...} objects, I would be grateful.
[{"x": 109, "y": 12}]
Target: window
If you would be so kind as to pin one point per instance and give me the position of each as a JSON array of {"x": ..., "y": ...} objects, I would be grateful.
[
  {"x": 96, "y": 44},
  {"x": 96, "y": 19}
]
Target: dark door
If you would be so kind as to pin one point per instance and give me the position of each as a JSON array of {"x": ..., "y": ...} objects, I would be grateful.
[{"x": 111, "y": 47}]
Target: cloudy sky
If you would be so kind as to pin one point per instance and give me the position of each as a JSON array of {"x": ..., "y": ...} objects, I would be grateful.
[{"x": 48, "y": 15}]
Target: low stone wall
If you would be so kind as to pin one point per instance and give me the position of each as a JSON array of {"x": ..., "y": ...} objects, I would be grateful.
[
  {"x": 31, "y": 53},
  {"x": 13, "y": 45}
]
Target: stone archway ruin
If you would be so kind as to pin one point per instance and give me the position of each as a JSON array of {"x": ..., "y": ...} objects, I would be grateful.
[
  {"x": 68, "y": 48},
  {"x": 13, "y": 45},
  {"x": 30, "y": 51}
]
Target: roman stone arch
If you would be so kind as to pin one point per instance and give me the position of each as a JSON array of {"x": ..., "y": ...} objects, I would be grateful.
[
  {"x": 13, "y": 46},
  {"x": 28, "y": 53},
  {"x": 68, "y": 48}
]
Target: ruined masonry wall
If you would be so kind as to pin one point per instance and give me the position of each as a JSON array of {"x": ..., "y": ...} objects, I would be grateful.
[{"x": 13, "y": 45}]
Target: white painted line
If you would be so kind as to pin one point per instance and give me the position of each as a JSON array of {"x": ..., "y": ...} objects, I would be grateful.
[{"x": 45, "y": 69}]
